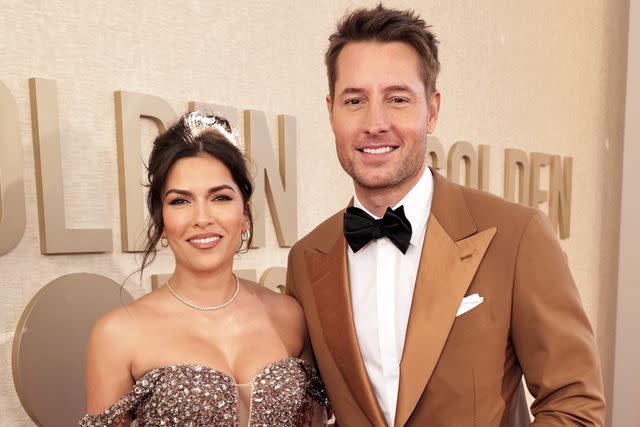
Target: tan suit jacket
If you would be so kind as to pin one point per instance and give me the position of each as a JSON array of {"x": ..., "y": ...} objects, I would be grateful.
[{"x": 465, "y": 370}]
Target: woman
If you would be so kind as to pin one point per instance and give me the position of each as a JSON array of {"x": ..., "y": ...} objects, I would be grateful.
[{"x": 207, "y": 348}]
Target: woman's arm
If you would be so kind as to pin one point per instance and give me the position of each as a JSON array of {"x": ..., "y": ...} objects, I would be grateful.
[{"x": 108, "y": 372}]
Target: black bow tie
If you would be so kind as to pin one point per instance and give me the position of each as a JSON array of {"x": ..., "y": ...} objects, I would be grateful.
[{"x": 360, "y": 228}]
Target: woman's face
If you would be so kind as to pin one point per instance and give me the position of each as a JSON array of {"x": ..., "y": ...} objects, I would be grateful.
[{"x": 203, "y": 214}]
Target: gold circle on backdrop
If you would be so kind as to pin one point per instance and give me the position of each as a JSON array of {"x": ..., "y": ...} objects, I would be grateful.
[
  {"x": 49, "y": 346},
  {"x": 275, "y": 279}
]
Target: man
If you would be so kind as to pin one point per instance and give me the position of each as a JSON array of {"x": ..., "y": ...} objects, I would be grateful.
[{"x": 430, "y": 315}]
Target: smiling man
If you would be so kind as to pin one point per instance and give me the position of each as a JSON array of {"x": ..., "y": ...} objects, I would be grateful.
[{"x": 426, "y": 301}]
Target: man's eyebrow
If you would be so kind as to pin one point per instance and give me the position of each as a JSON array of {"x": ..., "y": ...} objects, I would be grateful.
[
  {"x": 392, "y": 88},
  {"x": 399, "y": 88},
  {"x": 352, "y": 90},
  {"x": 214, "y": 189}
]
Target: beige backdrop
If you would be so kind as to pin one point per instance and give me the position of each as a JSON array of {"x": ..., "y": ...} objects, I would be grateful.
[
  {"x": 626, "y": 375},
  {"x": 543, "y": 76}
]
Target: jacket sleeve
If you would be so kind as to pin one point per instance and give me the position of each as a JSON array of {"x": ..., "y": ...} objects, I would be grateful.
[
  {"x": 552, "y": 336},
  {"x": 290, "y": 287}
]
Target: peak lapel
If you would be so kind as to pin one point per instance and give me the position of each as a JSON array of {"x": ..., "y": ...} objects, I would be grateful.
[
  {"x": 450, "y": 257},
  {"x": 330, "y": 285}
]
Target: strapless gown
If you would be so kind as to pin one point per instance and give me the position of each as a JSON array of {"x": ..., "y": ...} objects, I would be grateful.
[{"x": 285, "y": 393}]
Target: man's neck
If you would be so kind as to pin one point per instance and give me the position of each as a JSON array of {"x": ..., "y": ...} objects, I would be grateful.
[{"x": 377, "y": 200}]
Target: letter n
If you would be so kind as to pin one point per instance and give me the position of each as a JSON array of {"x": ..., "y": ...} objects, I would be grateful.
[{"x": 275, "y": 181}]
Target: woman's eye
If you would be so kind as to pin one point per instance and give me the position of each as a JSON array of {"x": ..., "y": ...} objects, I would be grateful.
[
  {"x": 221, "y": 198},
  {"x": 178, "y": 201}
]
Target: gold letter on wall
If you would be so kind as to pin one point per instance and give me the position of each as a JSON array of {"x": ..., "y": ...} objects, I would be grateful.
[
  {"x": 13, "y": 217},
  {"x": 274, "y": 278},
  {"x": 516, "y": 161},
  {"x": 435, "y": 153},
  {"x": 275, "y": 181},
  {"x": 485, "y": 167},
  {"x": 130, "y": 107},
  {"x": 55, "y": 237},
  {"x": 538, "y": 161},
  {"x": 560, "y": 195},
  {"x": 463, "y": 151}
]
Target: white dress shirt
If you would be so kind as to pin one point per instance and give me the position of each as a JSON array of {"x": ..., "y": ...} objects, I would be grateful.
[{"x": 382, "y": 280}]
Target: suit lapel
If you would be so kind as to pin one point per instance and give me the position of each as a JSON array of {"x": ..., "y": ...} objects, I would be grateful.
[
  {"x": 450, "y": 257},
  {"x": 330, "y": 285}
]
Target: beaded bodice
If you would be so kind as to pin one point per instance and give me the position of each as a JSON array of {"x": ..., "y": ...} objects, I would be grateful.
[{"x": 193, "y": 395}]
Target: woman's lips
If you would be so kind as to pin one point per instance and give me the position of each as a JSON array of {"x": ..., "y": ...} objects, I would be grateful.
[{"x": 204, "y": 241}]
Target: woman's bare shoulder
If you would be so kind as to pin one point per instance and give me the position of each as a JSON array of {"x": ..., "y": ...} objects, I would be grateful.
[
  {"x": 123, "y": 324},
  {"x": 284, "y": 310},
  {"x": 113, "y": 330},
  {"x": 110, "y": 353}
]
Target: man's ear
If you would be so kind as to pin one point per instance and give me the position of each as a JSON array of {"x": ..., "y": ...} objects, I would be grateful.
[
  {"x": 434, "y": 110},
  {"x": 330, "y": 108}
]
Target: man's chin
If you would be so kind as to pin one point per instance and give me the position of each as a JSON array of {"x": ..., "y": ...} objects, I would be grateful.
[
  {"x": 375, "y": 183},
  {"x": 378, "y": 182}
]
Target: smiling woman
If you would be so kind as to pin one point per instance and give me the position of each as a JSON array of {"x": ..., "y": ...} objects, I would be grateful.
[
  {"x": 203, "y": 214},
  {"x": 208, "y": 348}
]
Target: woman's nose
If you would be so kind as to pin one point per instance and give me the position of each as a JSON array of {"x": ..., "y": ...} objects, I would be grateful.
[{"x": 202, "y": 215}]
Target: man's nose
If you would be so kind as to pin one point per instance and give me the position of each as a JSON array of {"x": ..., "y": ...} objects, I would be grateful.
[{"x": 376, "y": 120}]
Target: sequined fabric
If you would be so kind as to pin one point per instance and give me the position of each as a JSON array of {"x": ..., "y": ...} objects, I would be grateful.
[
  {"x": 281, "y": 394},
  {"x": 194, "y": 396}
]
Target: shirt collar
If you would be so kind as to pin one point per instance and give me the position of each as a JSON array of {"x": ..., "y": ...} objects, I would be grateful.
[{"x": 417, "y": 205}]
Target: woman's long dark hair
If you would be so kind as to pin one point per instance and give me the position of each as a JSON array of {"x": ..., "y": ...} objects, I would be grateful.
[{"x": 184, "y": 139}]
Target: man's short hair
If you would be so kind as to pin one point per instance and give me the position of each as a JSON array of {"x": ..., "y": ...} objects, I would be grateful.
[{"x": 385, "y": 25}]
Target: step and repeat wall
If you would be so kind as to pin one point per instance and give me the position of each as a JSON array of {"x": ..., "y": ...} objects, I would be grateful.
[{"x": 532, "y": 110}]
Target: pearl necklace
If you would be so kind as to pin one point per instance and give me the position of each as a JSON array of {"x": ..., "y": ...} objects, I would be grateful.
[{"x": 201, "y": 308}]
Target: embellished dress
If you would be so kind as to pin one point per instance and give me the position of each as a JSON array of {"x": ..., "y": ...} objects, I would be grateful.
[{"x": 286, "y": 393}]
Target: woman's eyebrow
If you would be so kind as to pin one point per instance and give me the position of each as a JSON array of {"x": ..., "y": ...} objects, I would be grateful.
[{"x": 214, "y": 189}]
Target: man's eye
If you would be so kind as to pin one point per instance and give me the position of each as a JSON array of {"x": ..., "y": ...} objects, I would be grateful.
[
  {"x": 398, "y": 100},
  {"x": 353, "y": 101}
]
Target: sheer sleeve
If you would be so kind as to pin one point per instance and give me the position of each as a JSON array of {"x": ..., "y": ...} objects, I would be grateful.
[
  {"x": 316, "y": 414},
  {"x": 316, "y": 389},
  {"x": 123, "y": 408}
]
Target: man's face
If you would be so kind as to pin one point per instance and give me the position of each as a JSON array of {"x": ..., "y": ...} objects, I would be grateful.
[{"x": 380, "y": 115}]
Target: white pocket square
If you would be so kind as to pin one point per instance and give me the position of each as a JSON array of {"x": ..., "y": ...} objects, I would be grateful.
[{"x": 468, "y": 303}]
